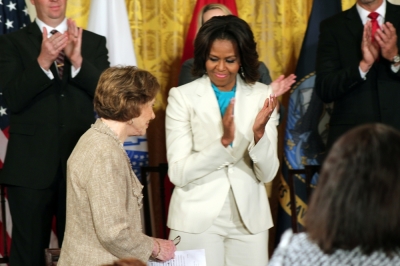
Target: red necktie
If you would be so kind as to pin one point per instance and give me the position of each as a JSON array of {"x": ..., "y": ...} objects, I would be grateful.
[
  {"x": 59, "y": 60},
  {"x": 374, "y": 22}
]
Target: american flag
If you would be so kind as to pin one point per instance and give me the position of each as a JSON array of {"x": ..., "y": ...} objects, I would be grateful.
[
  {"x": 13, "y": 16},
  {"x": 4, "y": 122}
]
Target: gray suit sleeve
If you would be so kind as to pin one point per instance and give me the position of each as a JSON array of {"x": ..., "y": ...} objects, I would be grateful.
[
  {"x": 185, "y": 76},
  {"x": 264, "y": 74}
]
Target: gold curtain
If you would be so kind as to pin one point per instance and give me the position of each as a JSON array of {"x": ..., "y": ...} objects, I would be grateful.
[
  {"x": 279, "y": 27},
  {"x": 159, "y": 29},
  {"x": 79, "y": 11},
  {"x": 346, "y": 4}
]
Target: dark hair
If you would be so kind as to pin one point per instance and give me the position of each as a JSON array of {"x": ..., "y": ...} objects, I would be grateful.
[
  {"x": 229, "y": 28},
  {"x": 355, "y": 202},
  {"x": 122, "y": 91}
]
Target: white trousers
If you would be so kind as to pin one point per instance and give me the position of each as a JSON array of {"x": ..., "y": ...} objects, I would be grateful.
[{"x": 227, "y": 242}]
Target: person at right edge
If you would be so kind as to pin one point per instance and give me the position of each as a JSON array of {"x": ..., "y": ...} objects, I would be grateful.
[{"x": 358, "y": 66}]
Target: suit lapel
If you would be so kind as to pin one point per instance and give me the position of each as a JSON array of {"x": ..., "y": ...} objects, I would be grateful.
[
  {"x": 208, "y": 105},
  {"x": 244, "y": 106},
  {"x": 392, "y": 14},
  {"x": 35, "y": 35},
  {"x": 354, "y": 23},
  {"x": 244, "y": 109}
]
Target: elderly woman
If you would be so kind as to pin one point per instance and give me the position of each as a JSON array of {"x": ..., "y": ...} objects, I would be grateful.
[
  {"x": 353, "y": 218},
  {"x": 104, "y": 197},
  {"x": 222, "y": 148}
]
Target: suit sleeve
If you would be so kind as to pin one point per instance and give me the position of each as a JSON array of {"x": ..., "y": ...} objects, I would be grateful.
[
  {"x": 21, "y": 79},
  {"x": 264, "y": 74},
  {"x": 91, "y": 69},
  {"x": 334, "y": 79},
  {"x": 264, "y": 154},
  {"x": 186, "y": 164},
  {"x": 106, "y": 190}
]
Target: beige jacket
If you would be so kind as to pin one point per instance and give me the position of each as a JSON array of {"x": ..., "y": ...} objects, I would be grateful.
[
  {"x": 103, "y": 216},
  {"x": 203, "y": 170}
]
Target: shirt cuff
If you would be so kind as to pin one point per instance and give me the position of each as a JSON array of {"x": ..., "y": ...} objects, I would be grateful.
[
  {"x": 74, "y": 71},
  {"x": 394, "y": 68},
  {"x": 363, "y": 74},
  {"x": 48, "y": 73}
]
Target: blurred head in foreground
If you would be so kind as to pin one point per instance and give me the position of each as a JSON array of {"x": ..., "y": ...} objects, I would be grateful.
[{"x": 354, "y": 204}]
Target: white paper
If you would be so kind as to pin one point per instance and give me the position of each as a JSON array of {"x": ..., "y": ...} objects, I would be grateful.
[{"x": 195, "y": 257}]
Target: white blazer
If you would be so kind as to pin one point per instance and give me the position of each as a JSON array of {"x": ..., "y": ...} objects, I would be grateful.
[{"x": 203, "y": 170}]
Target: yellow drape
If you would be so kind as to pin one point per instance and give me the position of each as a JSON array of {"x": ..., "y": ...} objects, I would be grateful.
[
  {"x": 278, "y": 26},
  {"x": 346, "y": 4},
  {"x": 159, "y": 28},
  {"x": 79, "y": 11}
]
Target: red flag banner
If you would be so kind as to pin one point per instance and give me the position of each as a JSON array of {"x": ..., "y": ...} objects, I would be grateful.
[{"x": 188, "y": 48}]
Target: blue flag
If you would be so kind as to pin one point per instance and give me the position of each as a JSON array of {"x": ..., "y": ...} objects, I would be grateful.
[
  {"x": 13, "y": 15},
  {"x": 305, "y": 134},
  {"x": 136, "y": 148}
]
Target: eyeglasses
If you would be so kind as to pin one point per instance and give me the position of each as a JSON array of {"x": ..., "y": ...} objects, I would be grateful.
[{"x": 177, "y": 240}]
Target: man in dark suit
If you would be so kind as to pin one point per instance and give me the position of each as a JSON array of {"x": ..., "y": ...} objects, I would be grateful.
[
  {"x": 358, "y": 69},
  {"x": 50, "y": 108}
]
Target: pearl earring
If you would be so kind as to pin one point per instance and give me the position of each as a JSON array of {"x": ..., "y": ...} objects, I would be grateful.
[{"x": 242, "y": 71}]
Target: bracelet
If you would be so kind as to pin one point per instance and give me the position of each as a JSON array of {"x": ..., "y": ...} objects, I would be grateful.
[{"x": 159, "y": 248}]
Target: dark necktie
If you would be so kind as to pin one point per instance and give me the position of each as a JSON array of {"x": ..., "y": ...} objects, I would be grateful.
[
  {"x": 374, "y": 23},
  {"x": 59, "y": 60}
]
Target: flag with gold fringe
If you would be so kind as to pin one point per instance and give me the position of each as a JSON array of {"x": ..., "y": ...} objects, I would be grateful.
[{"x": 305, "y": 134}]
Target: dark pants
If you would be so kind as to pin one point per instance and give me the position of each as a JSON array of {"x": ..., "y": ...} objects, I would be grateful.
[{"x": 32, "y": 211}]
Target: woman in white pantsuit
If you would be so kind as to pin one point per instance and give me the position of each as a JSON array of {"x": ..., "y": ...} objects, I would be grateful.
[{"x": 222, "y": 148}]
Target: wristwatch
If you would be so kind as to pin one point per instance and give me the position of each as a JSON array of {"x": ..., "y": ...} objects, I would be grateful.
[{"x": 396, "y": 59}]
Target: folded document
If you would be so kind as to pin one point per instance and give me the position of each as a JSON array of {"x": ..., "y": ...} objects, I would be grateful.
[{"x": 196, "y": 257}]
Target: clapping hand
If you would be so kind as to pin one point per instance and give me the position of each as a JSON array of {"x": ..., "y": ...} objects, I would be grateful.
[
  {"x": 369, "y": 48},
  {"x": 51, "y": 47},
  {"x": 386, "y": 37},
  {"x": 73, "y": 47},
  {"x": 282, "y": 84},
  {"x": 263, "y": 117},
  {"x": 228, "y": 124}
]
